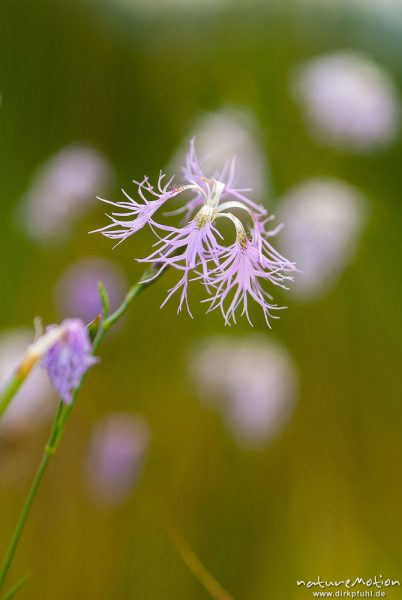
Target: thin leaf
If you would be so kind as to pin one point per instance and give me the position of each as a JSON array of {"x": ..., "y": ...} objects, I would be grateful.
[
  {"x": 16, "y": 587},
  {"x": 93, "y": 327},
  {"x": 211, "y": 585},
  {"x": 104, "y": 296}
]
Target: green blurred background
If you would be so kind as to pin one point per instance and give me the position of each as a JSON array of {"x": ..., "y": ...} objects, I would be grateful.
[{"x": 324, "y": 497}]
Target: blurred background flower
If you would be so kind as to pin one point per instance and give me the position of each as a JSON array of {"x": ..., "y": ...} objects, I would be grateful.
[
  {"x": 62, "y": 190},
  {"x": 251, "y": 380},
  {"x": 323, "y": 220},
  {"x": 116, "y": 451},
  {"x": 349, "y": 101},
  {"x": 34, "y": 402},
  {"x": 77, "y": 289},
  {"x": 28, "y": 414}
]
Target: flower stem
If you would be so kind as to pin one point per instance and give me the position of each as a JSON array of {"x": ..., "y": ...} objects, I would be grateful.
[
  {"x": 133, "y": 292},
  {"x": 60, "y": 421}
]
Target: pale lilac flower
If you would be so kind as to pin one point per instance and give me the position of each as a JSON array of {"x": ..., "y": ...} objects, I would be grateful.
[
  {"x": 115, "y": 456},
  {"x": 198, "y": 250},
  {"x": 324, "y": 219},
  {"x": 69, "y": 358},
  {"x": 349, "y": 101},
  {"x": 250, "y": 380},
  {"x": 77, "y": 290},
  {"x": 61, "y": 191},
  {"x": 33, "y": 403}
]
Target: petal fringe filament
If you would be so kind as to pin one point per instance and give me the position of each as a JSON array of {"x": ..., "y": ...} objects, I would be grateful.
[{"x": 232, "y": 273}]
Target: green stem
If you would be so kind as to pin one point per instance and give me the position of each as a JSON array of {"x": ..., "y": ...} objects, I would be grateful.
[
  {"x": 23, "y": 518},
  {"x": 133, "y": 292},
  {"x": 60, "y": 421}
]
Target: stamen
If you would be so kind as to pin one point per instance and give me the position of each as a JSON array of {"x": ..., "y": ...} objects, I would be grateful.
[
  {"x": 204, "y": 216},
  {"x": 215, "y": 195},
  {"x": 234, "y": 204},
  {"x": 243, "y": 240},
  {"x": 241, "y": 235}
]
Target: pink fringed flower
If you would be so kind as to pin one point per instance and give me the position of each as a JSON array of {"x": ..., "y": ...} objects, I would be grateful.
[{"x": 231, "y": 273}]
